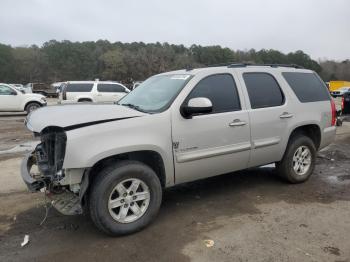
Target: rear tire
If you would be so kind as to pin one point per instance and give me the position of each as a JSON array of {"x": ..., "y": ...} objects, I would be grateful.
[
  {"x": 112, "y": 203},
  {"x": 298, "y": 162},
  {"x": 84, "y": 100},
  {"x": 30, "y": 107}
]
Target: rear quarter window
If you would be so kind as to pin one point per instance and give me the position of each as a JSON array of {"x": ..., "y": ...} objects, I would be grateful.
[
  {"x": 308, "y": 87},
  {"x": 79, "y": 87}
]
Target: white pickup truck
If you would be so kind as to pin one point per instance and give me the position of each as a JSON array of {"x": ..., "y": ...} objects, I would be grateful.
[{"x": 14, "y": 100}]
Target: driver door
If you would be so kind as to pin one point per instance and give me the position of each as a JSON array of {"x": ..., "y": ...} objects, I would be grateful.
[
  {"x": 213, "y": 143},
  {"x": 9, "y": 99}
]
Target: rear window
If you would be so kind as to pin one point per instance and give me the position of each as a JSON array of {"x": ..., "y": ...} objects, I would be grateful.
[
  {"x": 308, "y": 87},
  {"x": 110, "y": 88},
  {"x": 263, "y": 90},
  {"x": 79, "y": 87}
]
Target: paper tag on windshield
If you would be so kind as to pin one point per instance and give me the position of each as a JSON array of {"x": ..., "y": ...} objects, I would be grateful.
[{"x": 180, "y": 77}]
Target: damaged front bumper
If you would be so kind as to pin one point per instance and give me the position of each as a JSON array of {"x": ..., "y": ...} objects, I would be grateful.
[
  {"x": 64, "y": 200},
  {"x": 28, "y": 178}
]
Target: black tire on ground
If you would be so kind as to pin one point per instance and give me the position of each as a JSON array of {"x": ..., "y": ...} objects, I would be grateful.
[
  {"x": 103, "y": 186},
  {"x": 84, "y": 100},
  {"x": 285, "y": 166},
  {"x": 32, "y": 106}
]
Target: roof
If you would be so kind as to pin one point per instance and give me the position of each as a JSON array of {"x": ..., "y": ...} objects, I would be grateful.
[{"x": 93, "y": 81}]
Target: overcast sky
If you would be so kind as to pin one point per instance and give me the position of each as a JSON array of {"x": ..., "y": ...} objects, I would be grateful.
[{"x": 321, "y": 28}]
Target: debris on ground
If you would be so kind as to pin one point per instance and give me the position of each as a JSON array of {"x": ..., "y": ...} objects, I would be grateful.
[
  {"x": 209, "y": 243},
  {"x": 25, "y": 240}
]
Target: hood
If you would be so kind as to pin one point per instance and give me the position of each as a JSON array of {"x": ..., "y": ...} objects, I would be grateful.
[
  {"x": 76, "y": 116},
  {"x": 33, "y": 95}
]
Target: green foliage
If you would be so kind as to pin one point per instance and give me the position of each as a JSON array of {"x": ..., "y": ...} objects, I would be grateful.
[
  {"x": 65, "y": 60},
  {"x": 332, "y": 70},
  {"x": 7, "y": 64}
]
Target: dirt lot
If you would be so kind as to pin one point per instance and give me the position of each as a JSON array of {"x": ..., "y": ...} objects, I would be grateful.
[{"x": 250, "y": 215}]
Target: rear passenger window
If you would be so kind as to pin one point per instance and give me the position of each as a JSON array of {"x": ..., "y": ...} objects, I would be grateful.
[
  {"x": 79, "y": 87},
  {"x": 110, "y": 88},
  {"x": 307, "y": 86},
  {"x": 263, "y": 90},
  {"x": 221, "y": 90}
]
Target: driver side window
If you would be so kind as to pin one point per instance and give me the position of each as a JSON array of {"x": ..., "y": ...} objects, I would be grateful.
[
  {"x": 221, "y": 90},
  {"x": 5, "y": 90}
]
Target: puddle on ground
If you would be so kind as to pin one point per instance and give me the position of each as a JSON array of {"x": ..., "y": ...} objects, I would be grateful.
[{"x": 341, "y": 179}]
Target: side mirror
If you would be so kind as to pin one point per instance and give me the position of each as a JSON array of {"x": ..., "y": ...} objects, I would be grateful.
[
  {"x": 198, "y": 105},
  {"x": 13, "y": 93}
]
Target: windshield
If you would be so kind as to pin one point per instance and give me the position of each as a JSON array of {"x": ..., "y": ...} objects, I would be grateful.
[{"x": 156, "y": 93}]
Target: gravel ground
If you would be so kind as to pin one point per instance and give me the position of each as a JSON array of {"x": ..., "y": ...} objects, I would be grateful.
[{"x": 246, "y": 216}]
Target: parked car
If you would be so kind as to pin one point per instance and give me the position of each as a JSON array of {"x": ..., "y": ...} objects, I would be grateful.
[
  {"x": 340, "y": 92},
  {"x": 22, "y": 88},
  {"x": 92, "y": 91},
  {"x": 43, "y": 89},
  {"x": 12, "y": 99},
  {"x": 178, "y": 127},
  {"x": 345, "y": 104}
]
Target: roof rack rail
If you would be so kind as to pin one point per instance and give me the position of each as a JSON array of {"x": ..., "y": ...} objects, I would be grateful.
[
  {"x": 237, "y": 65},
  {"x": 223, "y": 64},
  {"x": 270, "y": 65},
  {"x": 285, "y": 65}
]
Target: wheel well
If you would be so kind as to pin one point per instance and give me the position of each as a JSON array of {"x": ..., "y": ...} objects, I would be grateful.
[
  {"x": 312, "y": 131},
  {"x": 149, "y": 158},
  {"x": 84, "y": 100},
  {"x": 30, "y": 102}
]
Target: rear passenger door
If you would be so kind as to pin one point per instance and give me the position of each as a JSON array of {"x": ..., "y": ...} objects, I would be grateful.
[
  {"x": 269, "y": 115},
  {"x": 110, "y": 92},
  {"x": 213, "y": 143}
]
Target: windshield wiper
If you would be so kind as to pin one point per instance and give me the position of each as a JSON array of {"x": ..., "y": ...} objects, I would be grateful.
[{"x": 133, "y": 107}]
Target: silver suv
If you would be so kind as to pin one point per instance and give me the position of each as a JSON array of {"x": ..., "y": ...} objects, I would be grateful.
[{"x": 177, "y": 127}]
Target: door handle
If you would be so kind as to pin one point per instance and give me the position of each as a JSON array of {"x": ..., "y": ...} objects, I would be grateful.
[
  {"x": 237, "y": 122},
  {"x": 286, "y": 115}
]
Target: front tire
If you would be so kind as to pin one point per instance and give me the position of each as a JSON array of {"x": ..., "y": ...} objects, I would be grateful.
[
  {"x": 30, "y": 107},
  {"x": 124, "y": 198},
  {"x": 298, "y": 162}
]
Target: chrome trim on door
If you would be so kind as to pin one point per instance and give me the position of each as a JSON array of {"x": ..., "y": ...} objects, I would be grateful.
[
  {"x": 211, "y": 152},
  {"x": 267, "y": 142}
]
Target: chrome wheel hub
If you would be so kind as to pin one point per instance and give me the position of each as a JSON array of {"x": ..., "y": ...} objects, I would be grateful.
[
  {"x": 129, "y": 200},
  {"x": 302, "y": 160},
  {"x": 32, "y": 108}
]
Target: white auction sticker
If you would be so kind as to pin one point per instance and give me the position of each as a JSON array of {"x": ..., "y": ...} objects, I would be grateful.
[{"x": 180, "y": 77}]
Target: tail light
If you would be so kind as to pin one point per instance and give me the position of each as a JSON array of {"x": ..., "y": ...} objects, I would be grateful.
[
  {"x": 334, "y": 112},
  {"x": 342, "y": 103}
]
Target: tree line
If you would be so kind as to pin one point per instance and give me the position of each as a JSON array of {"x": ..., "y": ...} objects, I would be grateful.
[{"x": 58, "y": 61}]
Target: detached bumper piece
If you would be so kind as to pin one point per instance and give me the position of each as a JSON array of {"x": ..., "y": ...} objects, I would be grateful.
[
  {"x": 66, "y": 203},
  {"x": 26, "y": 166}
]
